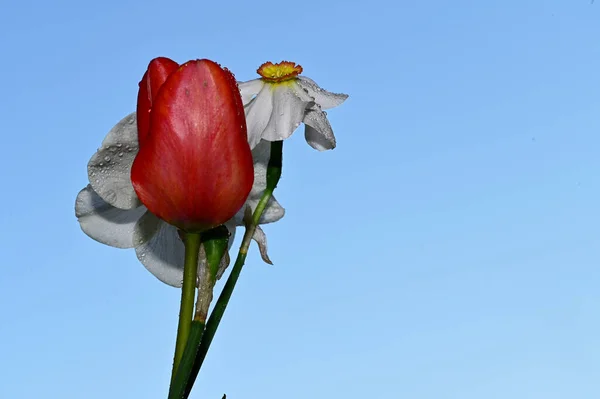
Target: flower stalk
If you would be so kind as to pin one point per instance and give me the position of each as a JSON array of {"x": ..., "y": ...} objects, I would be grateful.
[
  {"x": 252, "y": 221},
  {"x": 186, "y": 310}
]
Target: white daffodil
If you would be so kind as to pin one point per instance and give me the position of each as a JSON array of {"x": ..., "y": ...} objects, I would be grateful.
[
  {"x": 281, "y": 99},
  {"x": 109, "y": 211}
]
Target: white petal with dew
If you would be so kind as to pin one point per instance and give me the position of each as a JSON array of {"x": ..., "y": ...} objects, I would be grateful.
[
  {"x": 288, "y": 112},
  {"x": 258, "y": 113},
  {"x": 109, "y": 169},
  {"x": 105, "y": 223},
  {"x": 163, "y": 253},
  {"x": 250, "y": 89},
  {"x": 317, "y": 130},
  {"x": 260, "y": 156},
  {"x": 321, "y": 96},
  {"x": 272, "y": 213}
]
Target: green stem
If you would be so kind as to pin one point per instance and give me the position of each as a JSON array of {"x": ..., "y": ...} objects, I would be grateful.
[
  {"x": 186, "y": 310},
  {"x": 213, "y": 246},
  {"x": 215, "y": 318},
  {"x": 273, "y": 176},
  {"x": 177, "y": 389}
]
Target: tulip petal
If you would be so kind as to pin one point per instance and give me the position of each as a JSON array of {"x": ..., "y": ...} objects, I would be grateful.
[
  {"x": 156, "y": 74},
  {"x": 195, "y": 170},
  {"x": 317, "y": 130},
  {"x": 321, "y": 96},
  {"x": 105, "y": 223},
  {"x": 109, "y": 168},
  {"x": 288, "y": 112},
  {"x": 250, "y": 89},
  {"x": 258, "y": 114}
]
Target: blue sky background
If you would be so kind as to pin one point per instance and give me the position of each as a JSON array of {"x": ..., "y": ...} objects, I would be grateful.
[{"x": 448, "y": 248}]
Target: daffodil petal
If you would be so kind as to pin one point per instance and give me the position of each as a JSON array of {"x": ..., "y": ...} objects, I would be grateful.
[
  {"x": 105, "y": 223},
  {"x": 321, "y": 96},
  {"x": 317, "y": 130},
  {"x": 163, "y": 253},
  {"x": 288, "y": 112},
  {"x": 272, "y": 213},
  {"x": 260, "y": 156},
  {"x": 109, "y": 169},
  {"x": 258, "y": 113},
  {"x": 250, "y": 89}
]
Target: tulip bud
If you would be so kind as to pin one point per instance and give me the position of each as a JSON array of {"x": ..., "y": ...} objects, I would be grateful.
[
  {"x": 194, "y": 169},
  {"x": 158, "y": 71}
]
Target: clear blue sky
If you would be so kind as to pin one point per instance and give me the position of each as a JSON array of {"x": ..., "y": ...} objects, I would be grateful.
[{"x": 448, "y": 248}]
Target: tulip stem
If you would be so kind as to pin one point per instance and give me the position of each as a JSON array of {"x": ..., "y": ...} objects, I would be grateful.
[
  {"x": 186, "y": 310},
  {"x": 252, "y": 221}
]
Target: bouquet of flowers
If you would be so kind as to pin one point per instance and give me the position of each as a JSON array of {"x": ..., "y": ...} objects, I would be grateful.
[{"x": 200, "y": 157}]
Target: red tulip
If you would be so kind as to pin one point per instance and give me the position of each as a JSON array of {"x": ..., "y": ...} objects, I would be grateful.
[
  {"x": 194, "y": 169},
  {"x": 159, "y": 69}
]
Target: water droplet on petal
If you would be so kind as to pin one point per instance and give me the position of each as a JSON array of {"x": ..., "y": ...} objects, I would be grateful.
[
  {"x": 107, "y": 158},
  {"x": 120, "y": 154},
  {"x": 101, "y": 164},
  {"x": 119, "y": 145}
]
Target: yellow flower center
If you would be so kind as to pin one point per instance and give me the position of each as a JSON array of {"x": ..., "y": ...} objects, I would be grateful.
[{"x": 275, "y": 73}]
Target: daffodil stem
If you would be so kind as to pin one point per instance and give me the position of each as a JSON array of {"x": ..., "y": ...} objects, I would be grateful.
[
  {"x": 186, "y": 310},
  {"x": 273, "y": 176}
]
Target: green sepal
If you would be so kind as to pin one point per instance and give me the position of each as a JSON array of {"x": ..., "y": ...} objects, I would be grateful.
[{"x": 215, "y": 243}]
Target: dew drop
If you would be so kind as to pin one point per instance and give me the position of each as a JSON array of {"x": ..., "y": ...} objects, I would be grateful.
[
  {"x": 119, "y": 145},
  {"x": 120, "y": 154},
  {"x": 107, "y": 158},
  {"x": 101, "y": 164},
  {"x": 97, "y": 181}
]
